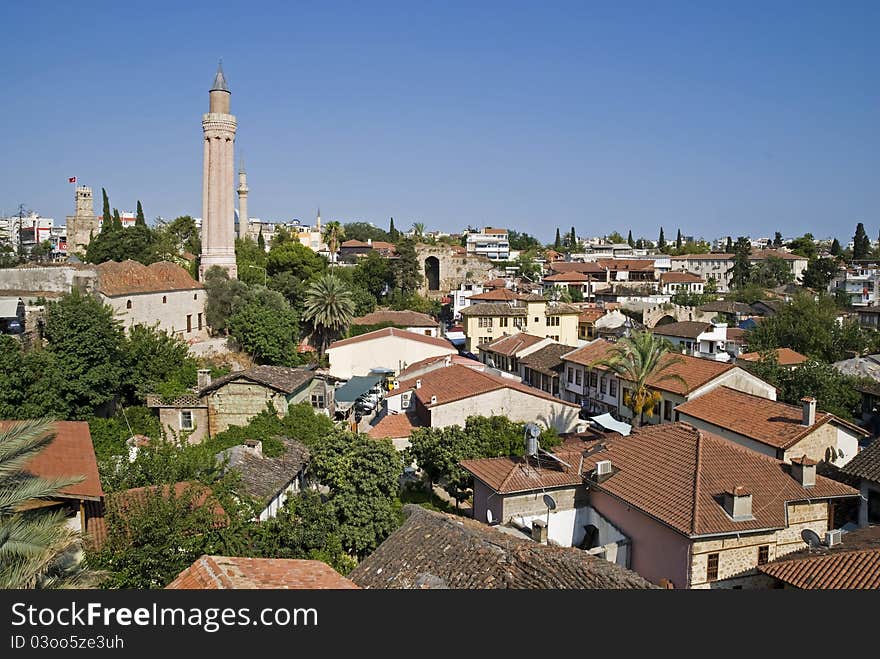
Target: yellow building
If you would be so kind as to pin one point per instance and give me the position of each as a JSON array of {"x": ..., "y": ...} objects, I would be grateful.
[{"x": 532, "y": 314}]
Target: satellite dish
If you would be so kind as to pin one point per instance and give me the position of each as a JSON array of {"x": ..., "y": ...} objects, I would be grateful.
[
  {"x": 811, "y": 538},
  {"x": 532, "y": 430},
  {"x": 551, "y": 503},
  {"x": 489, "y": 517}
]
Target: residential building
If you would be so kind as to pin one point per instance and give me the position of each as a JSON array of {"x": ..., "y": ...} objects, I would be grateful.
[
  {"x": 505, "y": 352},
  {"x": 599, "y": 390},
  {"x": 236, "y": 398},
  {"x": 569, "y": 281},
  {"x": 396, "y": 426},
  {"x": 848, "y": 562},
  {"x": 733, "y": 312},
  {"x": 687, "y": 508},
  {"x": 269, "y": 481},
  {"x": 785, "y": 357},
  {"x": 868, "y": 317},
  {"x": 448, "y": 396},
  {"x": 861, "y": 285},
  {"x": 485, "y": 322},
  {"x": 236, "y": 573},
  {"x": 461, "y": 297},
  {"x": 718, "y": 266},
  {"x": 433, "y": 550},
  {"x": 389, "y": 348},
  {"x": 705, "y": 340},
  {"x": 774, "y": 428},
  {"x": 866, "y": 468},
  {"x": 160, "y": 294},
  {"x": 541, "y": 369},
  {"x": 412, "y": 321},
  {"x": 681, "y": 282},
  {"x": 351, "y": 250},
  {"x": 867, "y": 369},
  {"x": 587, "y": 330},
  {"x": 489, "y": 242}
]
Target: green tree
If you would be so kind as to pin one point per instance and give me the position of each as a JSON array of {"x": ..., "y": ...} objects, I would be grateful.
[
  {"x": 557, "y": 243},
  {"x": 109, "y": 435},
  {"x": 106, "y": 216},
  {"x": 225, "y": 296},
  {"x": 835, "y": 248},
  {"x": 418, "y": 229},
  {"x": 87, "y": 339},
  {"x": 31, "y": 382},
  {"x": 37, "y": 546},
  {"x": 637, "y": 359},
  {"x": 777, "y": 240},
  {"x": 629, "y": 239},
  {"x": 333, "y": 235},
  {"x": 392, "y": 232},
  {"x": 819, "y": 273},
  {"x": 678, "y": 240},
  {"x": 771, "y": 272},
  {"x": 374, "y": 273},
  {"x": 295, "y": 258},
  {"x": 804, "y": 246},
  {"x": 615, "y": 237},
  {"x": 407, "y": 275},
  {"x": 861, "y": 243},
  {"x": 306, "y": 425},
  {"x": 528, "y": 267},
  {"x": 173, "y": 239},
  {"x": 522, "y": 241},
  {"x": 661, "y": 241},
  {"x": 728, "y": 246},
  {"x": 741, "y": 271},
  {"x": 266, "y": 328},
  {"x": 364, "y": 231},
  {"x": 329, "y": 308},
  {"x": 572, "y": 239},
  {"x": 140, "y": 220},
  {"x": 261, "y": 242},
  {"x": 250, "y": 260},
  {"x": 155, "y": 361}
]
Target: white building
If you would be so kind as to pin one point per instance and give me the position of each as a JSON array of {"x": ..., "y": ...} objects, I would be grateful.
[
  {"x": 491, "y": 243},
  {"x": 388, "y": 348},
  {"x": 706, "y": 340},
  {"x": 461, "y": 298}
]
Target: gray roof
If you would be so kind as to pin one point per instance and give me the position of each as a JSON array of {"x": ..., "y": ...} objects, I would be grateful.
[
  {"x": 493, "y": 309},
  {"x": 261, "y": 477},
  {"x": 866, "y": 464},
  {"x": 219, "y": 80},
  {"x": 860, "y": 367},
  {"x": 547, "y": 360},
  {"x": 280, "y": 378},
  {"x": 688, "y": 329},
  {"x": 437, "y": 551},
  {"x": 726, "y": 306},
  {"x": 9, "y": 307}
]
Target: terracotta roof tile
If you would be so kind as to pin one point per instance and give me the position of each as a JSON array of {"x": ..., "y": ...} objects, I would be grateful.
[
  {"x": 436, "y": 550},
  {"x": 593, "y": 351},
  {"x": 394, "y": 426},
  {"x": 131, "y": 277},
  {"x": 767, "y": 421},
  {"x": 509, "y": 475},
  {"x": 681, "y": 278},
  {"x": 230, "y": 572},
  {"x": 686, "y": 328},
  {"x": 281, "y": 378},
  {"x": 509, "y": 345},
  {"x": 627, "y": 265},
  {"x": 866, "y": 463},
  {"x": 547, "y": 360},
  {"x": 784, "y": 356},
  {"x": 387, "y": 332},
  {"x": 399, "y": 318},
  {"x": 495, "y": 295},
  {"x": 71, "y": 453},
  {"x": 568, "y": 276},
  {"x": 493, "y": 309},
  {"x": 589, "y": 267}
]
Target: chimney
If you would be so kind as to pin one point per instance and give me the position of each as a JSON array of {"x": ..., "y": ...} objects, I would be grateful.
[
  {"x": 204, "y": 377},
  {"x": 738, "y": 503},
  {"x": 539, "y": 531},
  {"x": 803, "y": 470},
  {"x": 809, "y": 404},
  {"x": 418, "y": 384},
  {"x": 433, "y": 400},
  {"x": 254, "y": 446}
]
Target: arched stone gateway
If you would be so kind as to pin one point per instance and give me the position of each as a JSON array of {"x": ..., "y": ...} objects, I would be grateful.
[
  {"x": 432, "y": 273},
  {"x": 662, "y": 314}
]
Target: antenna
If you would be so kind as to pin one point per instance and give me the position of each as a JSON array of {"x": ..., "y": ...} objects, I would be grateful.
[
  {"x": 550, "y": 502},
  {"x": 811, "y": 538}
]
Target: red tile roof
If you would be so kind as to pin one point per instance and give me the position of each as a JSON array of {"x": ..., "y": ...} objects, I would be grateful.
[
  {"x": 457, "y": 382},
  {"x": 720, "y": 256},
  {"x": 394, "y": 426},
  {"x": 593, "y": 351},
  {"x": 568, "y": 276},
  {"x": 676, "y": 473},
  {"x": 766, "y": 421},
  {"x": 681, "y": 278},
  {"x": 589, "y": 267},
  {"x": 495, "y": 283},
  {"x": 627, "y": 265},
  {"x": 759, "y": 254},
  {"x": 686, "y": 328},
  {"x": 387, "y": 332},
  {"x": 230, "y": 572},
  {"x": 401, "y": 318},
  {"x": 430, "y": 363},
  {"x": 511, "y": 344},
  {"x": 496, "y": 295},
  {"x": 784, "y": 356},
  {"x": 70, "y": 454},
  {"x": 131, "y": 277},
  {"x": 591, "y": 315},
  {"x": 509, "y": 475}
]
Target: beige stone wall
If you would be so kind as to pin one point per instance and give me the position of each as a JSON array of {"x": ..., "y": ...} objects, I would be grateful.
[
  {"x": 169, "y": 419},
  {"x": 515, "y": 405},
  {"x": 236, "y": 403},
  {"x": 171, "y": 315},
  {"x": 738, "y": 557},
  {"x": 454, "y": 268},
  {"x": 532, "y": 503},
  {"x": 815, "y": 445}
]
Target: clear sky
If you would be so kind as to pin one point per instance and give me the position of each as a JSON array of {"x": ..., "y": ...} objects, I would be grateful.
[{"x": 714, "y": 117}]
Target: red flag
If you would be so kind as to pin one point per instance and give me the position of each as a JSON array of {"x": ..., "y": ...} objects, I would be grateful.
[{"x": 72, "y": 179}]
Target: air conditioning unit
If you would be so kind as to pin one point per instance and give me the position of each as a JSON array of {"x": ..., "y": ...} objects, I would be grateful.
[
  {"x": 603, "y": 468},
  {"x": 833, "y": 537}
]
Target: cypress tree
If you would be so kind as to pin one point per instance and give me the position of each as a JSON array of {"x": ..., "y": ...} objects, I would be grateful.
[
  {"x": 558, "y": 242},
  {"x": 777, "y": 240},
  {"x": 106, "y": 217},
  {"x": 861, "y": 242},
  {"x": 678, "y": 240},
  {"x": 728, "y": 248},
  {"x": 835, "y": 247},
  {"x": 629, "y": 239},
  {"x": 661, "y": 242},
  {"x": 117, "y": 221},
  {"x": 141, "y": 220},
  {"x": 573, "y": 239},
  {"x": 392, "y": 232},
  {"x": 261, "y": 242}
]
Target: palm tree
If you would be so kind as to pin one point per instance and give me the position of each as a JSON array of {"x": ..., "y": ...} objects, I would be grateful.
[
  {"x": 329, "y": 307},
  {"x": 333, "y": 235},
  {"x": 418, "y": 230},
  {"x": 36, "y": 545},
  {"x": 639, "y": 358}
]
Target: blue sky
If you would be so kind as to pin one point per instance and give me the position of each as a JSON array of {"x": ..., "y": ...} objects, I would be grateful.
[{"x": 716, "y": 118}]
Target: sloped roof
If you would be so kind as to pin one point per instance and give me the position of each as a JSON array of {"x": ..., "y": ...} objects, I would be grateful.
[
  {"x": 760, "y": 254},
  {"x": 710, "y": 256},
  {"x": 493, "y": 309},
  {"x": 131, "y": 277},
  {"x": 511, "y": 344},
  {"x": 593, "y": 351},
  {"x": 588, "y": 267},
  {"x": 627, "y": 265},
  {"x": 387, "y": 332},
  {"x": 394, "y": 426},
  {"x": 264, "y": 477},
  {"x": 866, "y": 463},
  {"x": 767, "y": 421},
  {"x": 401, "y": 318},
  {"x": 495, "y": 295},
  {"x": 510, "y": 475},
  {"x": 281, "y": 378},
  {"x": 784, "y": 356},
  {"x": 686, "y": 328},
  {"x": 547, "y": 360},
  {"x": 681, "y": 278},
  {"x": 726, "y": 306},
  {"x": 677, "y": 474},
  {"x": 591, "y": 315},
  {"x": 440, "y": 362},
  {"x": 70, "y": 454},
  {"x": 436, "y": 550},
  {"x": 232, "y": 572},
  {"x": 568, "y": 276}
]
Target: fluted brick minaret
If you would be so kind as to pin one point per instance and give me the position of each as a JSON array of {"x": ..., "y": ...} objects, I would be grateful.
[
  {"x": 218, "y": 184},
  {"x": 243, "y": 221}
]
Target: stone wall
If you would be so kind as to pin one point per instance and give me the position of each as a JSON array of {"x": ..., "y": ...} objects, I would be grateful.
[
  {"x": 169, "y": 309},
  {"x": 169, "y": 420},
  {"x": 455, "y": 268},
  {"x": 651, "y": 315},
  {"x": 29, "y": 283},
  {"x": 236, "y": 403},
  {"x": 515, "y": 405}
]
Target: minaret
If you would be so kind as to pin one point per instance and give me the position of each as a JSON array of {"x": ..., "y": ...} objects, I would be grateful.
[
  {"x": 318, "y": 221},
  {"x": 218, "y": 204},
  {"x": 243, "y": 221}
]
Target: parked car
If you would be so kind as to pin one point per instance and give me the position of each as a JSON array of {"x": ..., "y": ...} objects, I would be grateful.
[{"x": 14, "y": 327}]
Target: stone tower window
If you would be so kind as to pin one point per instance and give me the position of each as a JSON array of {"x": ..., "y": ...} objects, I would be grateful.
[
  {"x": 128, "y": 304},
  {"x": 164, "y": 299}
]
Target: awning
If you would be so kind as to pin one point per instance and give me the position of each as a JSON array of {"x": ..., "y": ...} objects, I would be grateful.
[
  {"x": 9, "y": 307},
  {"x": 608, "y": 422},
  {"x": 348, "y": 393},
  {"x": 456, "y": 338}
]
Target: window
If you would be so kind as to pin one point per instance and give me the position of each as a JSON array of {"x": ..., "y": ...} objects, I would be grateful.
[
  {"x": 577, "y": 378},
  {"x": 502, "y": 322},
  {"x": 485, "y": 339},
  {"x": 318, "y": 400},
  {"x": 164, "y": 299},
  {"x": 763, "y": 554},
  {"x": 570, "y": 374},
  {"x": 195, "y": 296},
  {"x": 189, "y": 323},
  {"x": 485, "y": 322},
  {"x": 555, "y": 337},
  {"x": 873, "y": 507},
  {"x": 537, "y": 320},
  {"x": 612, "y": 387},
  {"x": 603, "y": 387},
  {"x": 186, "y": 420},
  {"x": 200, "y": 321},
  {"x": 594, "y": 379},
  {"x": 712, "y": 568},
  {"x": 667, "y": 410},
  {"x": 128, "y": 304}
]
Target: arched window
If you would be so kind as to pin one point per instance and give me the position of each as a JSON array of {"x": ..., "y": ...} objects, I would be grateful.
[
  {"x": 128, "y": 304},
  {"x": 164, "y": 299}
]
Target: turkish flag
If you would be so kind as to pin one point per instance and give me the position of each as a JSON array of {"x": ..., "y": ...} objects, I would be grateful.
[{"x": 72, "y": 179}]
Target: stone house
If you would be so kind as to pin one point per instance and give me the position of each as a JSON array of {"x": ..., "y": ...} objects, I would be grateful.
[
  {"x": 388, "y": 348},
  {"x": 448, "y": 396},
  {"x": 866, "y": 468},
  {"x": 688, "y": 508},
  {"x": 234, "y": 399},
  {"x": 681, "y": 282},
  {"x": 269, "y": 481},
  {"x": 162, "y": 294},
  {"x": 777, "y": 429}
]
